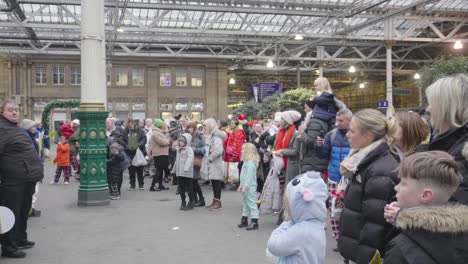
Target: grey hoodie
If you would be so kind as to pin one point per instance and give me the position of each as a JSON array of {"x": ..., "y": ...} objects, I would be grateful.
[{"x": 183, "y": 166}]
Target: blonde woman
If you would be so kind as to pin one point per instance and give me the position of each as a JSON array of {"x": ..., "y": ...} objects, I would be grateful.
[
  {"x": 373, "y": 173},
  {"x": 214, "y": 139},
  {"x": 448, "y": 106}
]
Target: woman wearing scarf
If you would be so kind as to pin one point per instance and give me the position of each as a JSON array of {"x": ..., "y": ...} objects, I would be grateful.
[
  {"x": 372, "y": 170},
  {"x": 286, "y": 145}
]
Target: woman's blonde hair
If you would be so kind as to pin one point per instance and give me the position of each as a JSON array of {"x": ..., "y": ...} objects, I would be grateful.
[
  {"x": 249, "y": 153},
  {"x": 414, "y": 130},
  {"x": 448, "y": 99},
  {"x": 374, "y": 122},
  {"x": 210, "y": 125},
  {"x": 324, "y": 84}
]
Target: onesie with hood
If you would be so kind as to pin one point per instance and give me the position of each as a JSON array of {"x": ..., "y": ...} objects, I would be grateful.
[{"x": 302, "y": 239}]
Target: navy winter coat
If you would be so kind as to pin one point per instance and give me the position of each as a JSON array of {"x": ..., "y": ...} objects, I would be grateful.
[{"x": 336, "y": 151}]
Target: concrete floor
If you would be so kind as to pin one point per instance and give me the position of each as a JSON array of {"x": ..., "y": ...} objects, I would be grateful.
[{"x": 143, "y": 227}]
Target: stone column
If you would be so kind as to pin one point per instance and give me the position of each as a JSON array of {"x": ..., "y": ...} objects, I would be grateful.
[
  {"x": 93, "y": 165},
  {"x": 153, "y": 89},
  {"x": 222, "y": 91}
]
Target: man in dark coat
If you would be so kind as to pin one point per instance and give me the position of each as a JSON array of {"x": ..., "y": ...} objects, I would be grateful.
[{"x": 20, "y": 169}]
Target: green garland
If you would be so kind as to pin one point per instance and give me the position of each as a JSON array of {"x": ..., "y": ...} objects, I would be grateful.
[{"x": 57, "y": 103}]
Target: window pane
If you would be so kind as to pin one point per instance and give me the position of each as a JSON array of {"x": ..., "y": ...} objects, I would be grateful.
[
  {"x": 121, "y": 106},
  {"x": 75, "y": 75},
  {"x": 181, "y": 107},
  {"x": 197, "y": 77},
  {"x": 138, "y": 106},
  {"x": 165, "y": 77},
  {"x": 58, "y": 75},
  {"x": 138, "y": 76},
  {"x": 121, "y": 75},
  {"x": 166, "y": 115},
  {"x": 181, "y": 77},
  {"x": 196, "y": 106},
  {"x": 138, "y": 115},
  {"x": 41, "y": 75},
  {"x": 196, "y": 116},
  {"x": 165, "y": 107}
]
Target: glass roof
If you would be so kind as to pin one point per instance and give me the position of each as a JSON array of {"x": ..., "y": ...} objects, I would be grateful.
[{"x": 230, "y": 29}]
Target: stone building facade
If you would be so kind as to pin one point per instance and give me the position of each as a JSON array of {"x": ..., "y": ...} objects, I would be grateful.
[{"x": 135, "y": 88}]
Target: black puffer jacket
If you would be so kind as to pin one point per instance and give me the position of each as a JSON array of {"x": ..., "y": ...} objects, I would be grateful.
[
  {"x": 363, "y": 228},
  {"x": 19, "y": 161},
  {"x": 430, "y": 235},
  {"x": 114, "y": 170},
  {"x": 455, "y": 142},
  {"x": 310, "y": 157}
]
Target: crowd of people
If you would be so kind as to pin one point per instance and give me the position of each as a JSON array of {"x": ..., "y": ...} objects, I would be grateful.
[{"x": 394, "y": 189}]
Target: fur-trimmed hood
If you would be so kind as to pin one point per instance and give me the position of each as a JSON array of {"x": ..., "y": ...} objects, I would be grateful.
[
  {"x": 435, "y": 219},
  {"x": 430, "y": 235}
]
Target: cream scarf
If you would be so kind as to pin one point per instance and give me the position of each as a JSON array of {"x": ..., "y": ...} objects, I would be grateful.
[{"x": 350, "y": 164}]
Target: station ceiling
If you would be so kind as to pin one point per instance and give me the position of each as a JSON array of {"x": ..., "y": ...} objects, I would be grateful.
[{"x": 247, "y": 34}]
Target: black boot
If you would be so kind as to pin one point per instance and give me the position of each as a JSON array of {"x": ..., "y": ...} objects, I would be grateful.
[
  {"x": 243, "y": 222},
  {"x": 200, "y": 203},
  {"x": 183, "y": 205},
  {"x": 253, "y": 225},
  {"x": 189, "y": 206}
]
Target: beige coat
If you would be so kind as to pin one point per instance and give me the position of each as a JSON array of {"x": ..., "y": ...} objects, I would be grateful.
[{"x": 159, "y": 145}]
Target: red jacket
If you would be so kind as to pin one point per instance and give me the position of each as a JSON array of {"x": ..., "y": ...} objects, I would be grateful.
[
  {"x": 63, "y": 155},
  {"x": 234, "y": 145},
  {"x": 67, "y": 130}
]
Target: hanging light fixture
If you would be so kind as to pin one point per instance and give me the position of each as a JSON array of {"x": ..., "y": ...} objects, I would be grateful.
[
  {"x": 416, "y": 76},
  {"x": 362, "y": 85},
  {"x": 352, "y": 69},
  {"x": 458, "y": 45},
  {"x": 270, "y": 64},
  {"x": 298, "y": 37},
  {"x": 232, "y": 81},
  {"x": 120, "y": 30}
]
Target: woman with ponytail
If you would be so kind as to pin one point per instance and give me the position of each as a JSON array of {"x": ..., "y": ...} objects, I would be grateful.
[{"x": 372, "y": 170}]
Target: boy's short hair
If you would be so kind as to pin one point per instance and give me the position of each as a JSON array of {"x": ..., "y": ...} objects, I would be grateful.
[{"x": 436, "y": 169}]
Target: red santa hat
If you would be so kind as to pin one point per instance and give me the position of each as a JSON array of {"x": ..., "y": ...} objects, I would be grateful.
[{"x": 242, "y": 119}]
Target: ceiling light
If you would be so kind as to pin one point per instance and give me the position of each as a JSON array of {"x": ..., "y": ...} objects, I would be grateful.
[
  {"x": 270, "y": 64},
  {"x": 362, "y": 85},
  {"x": 458, "y": 45},
  {"x": 120, "y": 30},
  {"x": 317, "y": 71},
  {"x": 232, "y": 81},
  {"x": 298, "y": 37},
  {"x": 416, "y": 76},
  {"x": 352, "y": 69}
]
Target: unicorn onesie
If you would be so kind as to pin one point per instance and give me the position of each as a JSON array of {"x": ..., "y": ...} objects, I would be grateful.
[{"x": 302, "y": 238}]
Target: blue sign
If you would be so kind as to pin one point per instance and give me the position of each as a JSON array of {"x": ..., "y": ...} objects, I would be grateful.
[
  {"x": 259, "y": 91},
  {"x": 383, "y": 104}
]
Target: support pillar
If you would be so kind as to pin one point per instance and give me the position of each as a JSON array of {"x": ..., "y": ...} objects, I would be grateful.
[
  {"x": 298, "y": 75},
  {"x": 93, "y": 165},
  {"x": 388, "y": 27}
]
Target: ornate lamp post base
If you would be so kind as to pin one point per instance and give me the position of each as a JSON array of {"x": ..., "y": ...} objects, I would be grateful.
[{"x": 93, "y": 188}]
